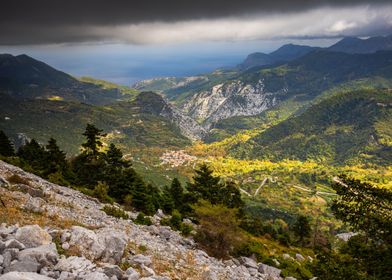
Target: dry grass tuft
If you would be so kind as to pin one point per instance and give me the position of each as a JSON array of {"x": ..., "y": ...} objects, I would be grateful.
[
  {"x": 16, "y": 179},
  {"x": 13, "y": 214}
]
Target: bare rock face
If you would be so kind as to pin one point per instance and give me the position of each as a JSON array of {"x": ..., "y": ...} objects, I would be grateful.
[
  {"x": 32, "y": 236},
  {"x": 234, "y": 98}
]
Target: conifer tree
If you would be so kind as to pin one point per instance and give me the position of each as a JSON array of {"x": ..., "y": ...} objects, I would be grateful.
[
  {"x": 177, "y": 193},
  {"x": 365, "y": 207},
  {"x": 89, "y": 166},
  {"x": 167, "y": 201},
  {"x": 211, "y": 188},
  {"x": 114, "y": 157},
  {"x": 120, "y": 182},
  {"x": 230, "y": 195},
  {"x": 302, "y": 229},
  {"x": 93, "y": 139},
  {"x": 141, "y": 199},
  {"x": 6, "y": 147},
  {"x": 205, "y": 185},
  {"x": 34, "y": 154},
  {"x": 56, "y": 158}
]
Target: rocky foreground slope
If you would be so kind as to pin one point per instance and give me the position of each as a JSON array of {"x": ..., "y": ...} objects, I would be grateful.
[{"x": 76, "y": 240}]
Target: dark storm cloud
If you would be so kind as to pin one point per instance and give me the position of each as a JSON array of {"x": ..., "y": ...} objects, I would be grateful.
[
  {"x": 128, "y": 11},
  {"x": 56, "y": 21}
]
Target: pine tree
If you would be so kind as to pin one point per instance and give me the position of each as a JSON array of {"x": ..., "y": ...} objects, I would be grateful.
[
  {"x": 6, "y": 147},
  {"x": 205, "y": 185},
  {"x": 167, "y": 201},
  {"x": 93, "y": 139},
  {"x": 211, "y": 188},
  {"x": 141, "y": 199},
  {"x": 156, "y": 197},
  {"x": 56, "y": 158},
  {"x": 114, "y": 157},
  {"x": 365, "y": 207},
  {"x": 230, "y": 195},
  {"x": 89, "y": 166},
  {"x": 302, "y": 229},
  {"x": 34, "y": 154},
  {"x": 177, "y": 193}
]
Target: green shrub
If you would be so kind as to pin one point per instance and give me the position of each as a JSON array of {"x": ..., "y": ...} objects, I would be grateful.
[
  {"x": 175, "y": 222},
  {"x": 141, "y": 219},
  {"x": 251, "y": 248},
  {"x": 295, "y": 269},
  {"x": 219, "y": 230},
  {"x": 101, "y": 192},
  {"x": 115, "y": 212},
  {"x": 186, "y": 229}
]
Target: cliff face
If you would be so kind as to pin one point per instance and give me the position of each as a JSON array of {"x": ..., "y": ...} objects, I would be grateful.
[
  {"x": 153, "y": 103},
  {"x": 234, "y": 98}
]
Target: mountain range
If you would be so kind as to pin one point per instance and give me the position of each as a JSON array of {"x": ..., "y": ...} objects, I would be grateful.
[{"x": 288, "y": 96}]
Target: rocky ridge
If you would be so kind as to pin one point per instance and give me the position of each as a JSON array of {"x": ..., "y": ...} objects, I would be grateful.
[
  {"x": 234, "y": 98},
  {"x": 153, "y": 103},
  {"x": 92, "y": 245}
]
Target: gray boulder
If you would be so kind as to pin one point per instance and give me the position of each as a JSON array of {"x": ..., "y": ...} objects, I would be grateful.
[
  {"x": 13, "y": 243},
  {"x": 34, "y": 192},
  {"x": 32, "y": 236},
  {"x": 132, "y": 274},
  {"x": 86, "y": 242},
  {"x": 248, "y": 262},
  {"x": 46, "y": 255},
  {"x": 8, "y": 256},
  {"x": 74, "y": 265},
  {"x": 299, "y": 257},
  {"x": 147, "y": 271},
  {"x": 114, "y": 243},
  {"x": 94, "y": 276},
  {"x": 2, "y": 246},
  {"x": 35, "y": 205},
  {"x": 24, "y": 266},
  {"x": 271, "y": 271},
  {"x": 209, "y": 275},
  {"x": 140, "y": 260},
  {"x": 24, "y": 276},
  {"x": 112, "y": 270}
]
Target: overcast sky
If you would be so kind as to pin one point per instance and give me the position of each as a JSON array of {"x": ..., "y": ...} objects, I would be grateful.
[{"x": 125, "y": 41}]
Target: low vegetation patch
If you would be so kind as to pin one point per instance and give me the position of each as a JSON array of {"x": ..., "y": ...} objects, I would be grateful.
[{"x": 115, "y": 212}]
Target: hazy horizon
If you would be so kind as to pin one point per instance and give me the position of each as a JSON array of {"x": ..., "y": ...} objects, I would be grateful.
[{"x": 127, "y": 64}]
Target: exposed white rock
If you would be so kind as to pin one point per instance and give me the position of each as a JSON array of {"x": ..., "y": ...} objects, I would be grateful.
[
  {"x": 23, "y": 276},
  {"x": 74, "y": 264},
  {"x": 46, "y": 255},
  {"x": 234, "y": 98},
  {"x": 33, "y": 236},
  {"x": 113, "y": 242},
  {"x": 86, "y": 242},
  {"x": 346, "y": 235},
  {"x": 299, "y": 257},
  {"x": 270, "y": 270}
]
